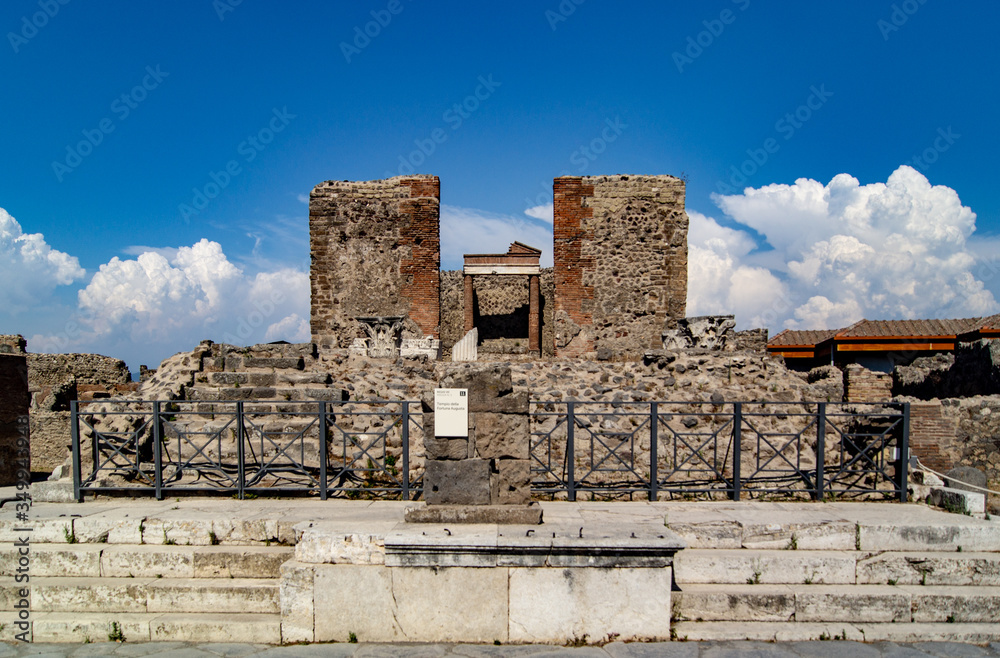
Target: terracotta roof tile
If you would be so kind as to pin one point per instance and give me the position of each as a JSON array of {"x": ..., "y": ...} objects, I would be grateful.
[
  {"x": 882, "y": 328},
  {"x": 992, "y": 322},
  {"x": 797, "y": 337}
]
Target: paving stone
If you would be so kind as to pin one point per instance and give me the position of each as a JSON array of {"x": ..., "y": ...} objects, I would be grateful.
[
  {"x": 652, "y": 650},
  {"x": 838, "y": 649}
]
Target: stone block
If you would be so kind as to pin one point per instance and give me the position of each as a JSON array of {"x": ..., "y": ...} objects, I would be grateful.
[
  {"x": 955, "y": 604},
  {"x": 339, "y": 610},
  {"x": 147, "y": 561},
  {"x": 200, "y": 627},
  {"x": 769, "y": 567},
  {"x": 240, "y": 562},
  {"x": 961, "y": 477},
  {"x": 735, "y": 603},
  {"x": 475, "y": 514},
  {"x": 930, "y": 569},
  {"x": 448, "y": 448},
  {"x": 853, "y": 603},
  {"x": 565, "y": 605},
  {"x": 958, "y": 500},
  {"x": 79, "y": 560},
  {"x": 502, "y": 436},
  {"x": 464, "y": 482},
  {"x": 511, "y": 483},
  {"x": 89, "y": 595},
  {"x": 486, "y": 384},
  {"x": 296, "y": 593}
]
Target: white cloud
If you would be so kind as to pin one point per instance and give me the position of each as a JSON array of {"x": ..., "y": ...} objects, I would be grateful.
[
  {"x": 157, "y": 304},
  {"x": 303, "y": 198},
  {"x": 29, "y": 268},
  {"x": 544, "y": 212},
  {"x": 841, "y": 251},
  {"x": 471, "y": 231}
]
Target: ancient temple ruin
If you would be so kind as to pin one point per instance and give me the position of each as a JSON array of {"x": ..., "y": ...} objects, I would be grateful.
[{"x": 619, "y": 276}]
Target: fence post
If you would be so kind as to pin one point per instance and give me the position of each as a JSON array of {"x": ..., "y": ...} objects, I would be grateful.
[
  {"x": 240, "y": 451},
  {"x": 406, "y": 450},
  {"x": 74, "y": 427},
  {"x": 737, "y": 448},
  {"x": 820, "y": 449},
  {"x": 903, "y": 460},
  {"x": 157, "y": 455},
  {"x": 570, "y": 456},
  {"x": 322, "y": 450},
  {"x": 654, "y": 421}
]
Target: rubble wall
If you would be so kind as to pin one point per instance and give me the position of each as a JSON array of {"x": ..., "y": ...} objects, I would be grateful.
[
  {"x": 620, "y": 250},
  {"x": 376, "y": 251}
]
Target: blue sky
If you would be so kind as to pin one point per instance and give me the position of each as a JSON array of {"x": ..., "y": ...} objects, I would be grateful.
[{"x": 840, "y": 157}]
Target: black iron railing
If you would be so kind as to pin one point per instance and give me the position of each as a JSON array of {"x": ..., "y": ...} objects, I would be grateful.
[
  {"x": 611, "y": 449},
  {"x": 345, "y": 449},
  {"x": 707, "y": 450}
]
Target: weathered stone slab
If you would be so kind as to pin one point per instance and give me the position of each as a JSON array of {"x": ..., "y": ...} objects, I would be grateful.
[
  {"x": 218, "y": 595},
  {"x": 188, "y": 627},
  {"x": 85, "y": 594},
  {"x": 969, "y": 534},
  {"x": 89, "y": 627},
  {"x": 507, "y": 514},
  {"x": 486, "y": 383},
  {"x": 930, "y": 568},
  {"x": 431, "y": 546},
  {"x": 339, "y": 611},
  {"x": 563, "y": 605},
  {"x": 955, "y": 604},
  {"x": 342, "y": 545},
  {"x": 958, "y": 500},
  {"x": 441, "y": 447},
  {"x": 773, "y": 567},
  {"x": 855, "y": 603},
  {"x": 502, "y": 436},
  {"x": 464, "y": 482},
  {"x": 82, "y": 560},
  {"x": 296, "y": 594},
  {"x": 821, "y": 536},
  {"x": 735, "y": 603},
  {"x": 712, "y": 534},
  {"x": 147, "y": 561},
  {"x": 240, "y": 562}
]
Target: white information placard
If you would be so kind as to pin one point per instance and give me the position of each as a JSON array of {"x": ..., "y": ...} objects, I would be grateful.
[{"x": 451, "y": 412}]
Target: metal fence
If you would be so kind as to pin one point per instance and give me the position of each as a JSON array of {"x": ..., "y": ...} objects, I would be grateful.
[
  {"x": 725, "y": 450},
  {"x": 245, "y": 448},
  {"x": 604, "y": 449}
]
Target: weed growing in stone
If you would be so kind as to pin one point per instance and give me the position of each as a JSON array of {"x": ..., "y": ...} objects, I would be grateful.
[
  {"x": 116, "y": 634},
  {"x": 352, "y": 638},
  {"x": 166, "y": 540},
  {"x": 69, "y": 535},
  {"x": 793, "y": 543},
  {"x": 892, "y": 581}
]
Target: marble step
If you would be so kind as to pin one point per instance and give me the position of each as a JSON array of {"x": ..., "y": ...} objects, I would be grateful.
[{"x": 791, "y": 631}]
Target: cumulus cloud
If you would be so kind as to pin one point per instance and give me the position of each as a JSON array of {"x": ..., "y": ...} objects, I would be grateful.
[
  {"x": 544, "y": 212},
  {"x": 838, "y": 252},
  {"x": 470, "y": 231},
  {"x": 165, "y": 301},
  {"x": 29, "y": 268}
]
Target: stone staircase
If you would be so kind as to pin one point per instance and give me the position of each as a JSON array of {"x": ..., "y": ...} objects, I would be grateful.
[
  {"x": 153, "y": 591},
  {"x": 905, "y": 583}
]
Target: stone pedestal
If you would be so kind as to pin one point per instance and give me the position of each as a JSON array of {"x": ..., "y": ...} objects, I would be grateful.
[{"x": 489, "y": 468}]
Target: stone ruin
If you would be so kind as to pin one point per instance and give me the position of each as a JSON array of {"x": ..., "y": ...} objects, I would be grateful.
[{"x": 619, "y": 275}]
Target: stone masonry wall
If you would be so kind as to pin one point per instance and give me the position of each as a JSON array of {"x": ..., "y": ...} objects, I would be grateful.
[
  {"x": 12, "y": 344},
  {"x": 376, "y": 251},
  {"x": 620, "y": 250},
  {"x": 863, "y": 385},
  {"x": 501, "y": 311}
]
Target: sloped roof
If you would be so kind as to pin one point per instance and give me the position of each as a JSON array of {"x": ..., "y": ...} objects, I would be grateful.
[
  {"x": 908, "y": 328},
  {"x": 991, "y": 323},
  {"x": 801, "y": 337}
]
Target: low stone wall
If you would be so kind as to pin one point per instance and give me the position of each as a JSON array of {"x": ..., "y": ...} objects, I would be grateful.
[
  {"x": 12, "y": 344},
  {"x": 974, "y": 369},
  {"x": 51, "y": 369}
]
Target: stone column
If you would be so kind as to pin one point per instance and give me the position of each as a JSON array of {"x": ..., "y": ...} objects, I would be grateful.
[
  {"x": 469, "y": 320},
  {"x": 534, "y": 325}
]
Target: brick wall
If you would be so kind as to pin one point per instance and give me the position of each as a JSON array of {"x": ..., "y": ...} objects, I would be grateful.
[
  {"x": 863, "y": 385},
  {"x": 376, "y": 251},
  {"x": 620, "y": 250},
  {"x": 932, "y": 435}
]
